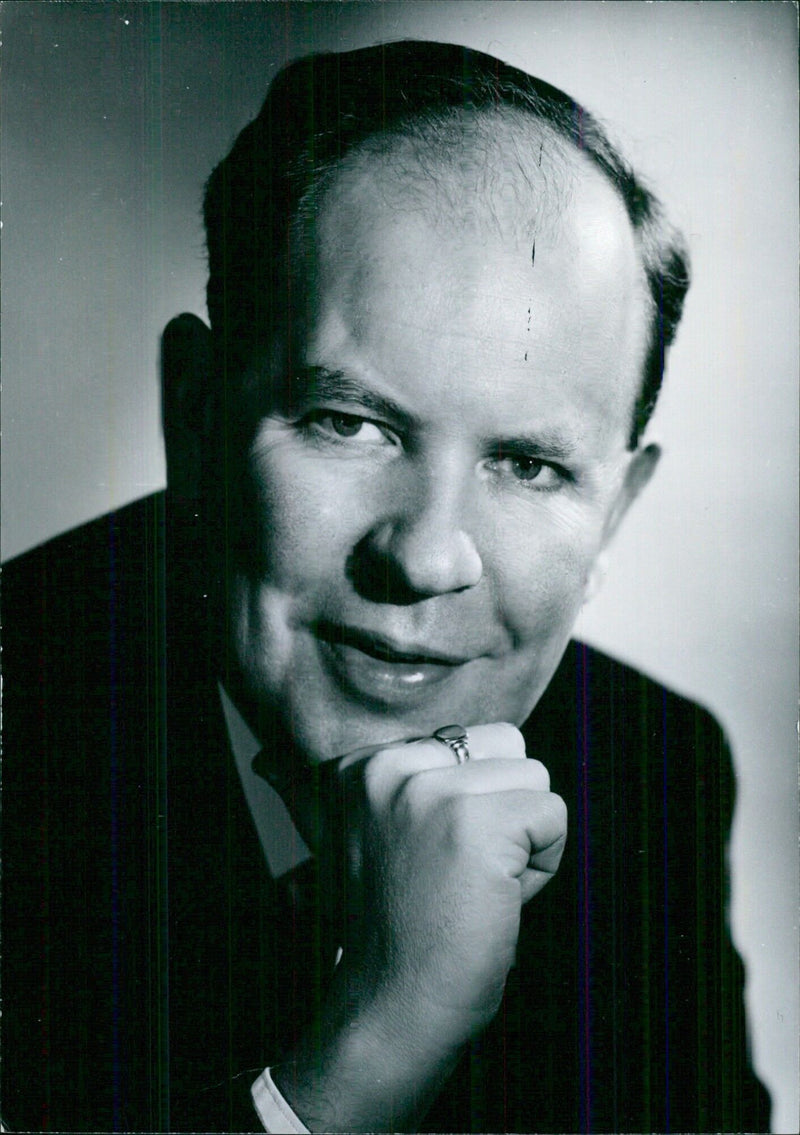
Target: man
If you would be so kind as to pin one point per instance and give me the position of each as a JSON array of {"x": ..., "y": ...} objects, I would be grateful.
[{"x": 439, "y": 309}]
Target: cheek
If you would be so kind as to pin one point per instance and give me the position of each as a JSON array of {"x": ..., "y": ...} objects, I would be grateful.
[
  {"x": 305, "y": 520},
  {"x": 541, "y": 567}
]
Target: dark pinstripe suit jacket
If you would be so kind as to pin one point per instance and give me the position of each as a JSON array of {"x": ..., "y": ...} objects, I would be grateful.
[{"x": 148, "y": 963}]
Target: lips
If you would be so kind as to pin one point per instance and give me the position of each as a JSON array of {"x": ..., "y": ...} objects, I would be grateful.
[
  {"x": 386, "y": 649},
  {"x": 383, "y": 670}
]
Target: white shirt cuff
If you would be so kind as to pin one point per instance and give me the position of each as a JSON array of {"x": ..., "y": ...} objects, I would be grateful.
[{"x": 273, "y": 1110}]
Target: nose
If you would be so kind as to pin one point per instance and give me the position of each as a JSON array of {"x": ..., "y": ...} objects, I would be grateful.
[{"x": 423, "y": 544}]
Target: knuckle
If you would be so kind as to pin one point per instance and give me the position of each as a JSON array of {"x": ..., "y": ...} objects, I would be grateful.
[
  {"x": 417, "y": 796},
  {"x": 558, "y": 810},
  {"x": 378, "y": 773},
  {"x": 508, "y": 739},
  {"x": 539, "y": 775},
  {"x": 411, "y": 793},
  {"x": 463, "y": 814},
  {"x": 450, "y": 812}
]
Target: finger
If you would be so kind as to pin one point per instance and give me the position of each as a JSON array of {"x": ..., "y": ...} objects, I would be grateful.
[
  {"x": 535, "y": 821},
  {"x": 388, "y": 768},
  {"x": 498, "y": 739},
  {"x": 550, "y": 834},
  {"x": 532, "y": 882},
  {"x": 497, "y": 775},
  {"x": 535, "y": 827}
]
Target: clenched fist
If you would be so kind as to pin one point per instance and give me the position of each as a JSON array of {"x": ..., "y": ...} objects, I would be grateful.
[{"x": 437, "y": 860}]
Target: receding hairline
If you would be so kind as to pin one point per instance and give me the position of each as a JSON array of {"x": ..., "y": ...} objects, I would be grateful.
[
  {"x": 472, "y": 166},
  {"x": 483, "y": 174},
  {"x": 325, "y": 106}
]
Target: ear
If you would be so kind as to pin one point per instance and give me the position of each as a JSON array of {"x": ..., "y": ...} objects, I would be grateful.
[
  {"x": 186, "y": 389},
  {"x": 641, "y": 468}
]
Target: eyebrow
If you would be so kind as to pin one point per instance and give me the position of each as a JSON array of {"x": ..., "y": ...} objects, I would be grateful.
[
  {"x": 317, "y": 382},
  {"x": 544, "y": 442}
]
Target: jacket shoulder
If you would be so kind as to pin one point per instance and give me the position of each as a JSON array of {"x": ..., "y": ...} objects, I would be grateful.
[
  {"x": 95, "y": 557},
  {"x": 622, "y": 701}
]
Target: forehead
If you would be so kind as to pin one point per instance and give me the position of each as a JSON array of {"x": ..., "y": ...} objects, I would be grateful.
[{"x": 480, "y": 283}]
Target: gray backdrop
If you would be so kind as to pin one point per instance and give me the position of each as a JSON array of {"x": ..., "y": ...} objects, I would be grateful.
[{"x": 114, "y": 115}]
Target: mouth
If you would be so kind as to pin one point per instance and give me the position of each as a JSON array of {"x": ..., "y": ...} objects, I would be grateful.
[
  {"x": 383, "y": 670},
  {"x": 385, "y": 649}
]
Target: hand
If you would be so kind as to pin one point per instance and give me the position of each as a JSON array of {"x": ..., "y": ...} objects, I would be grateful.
[{"x": 439, "y": 860}]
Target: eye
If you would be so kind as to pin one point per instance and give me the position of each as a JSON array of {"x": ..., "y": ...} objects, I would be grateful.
[
  {"x": 529, "y": 470},
  {"x": 525, "y": 468},
  {"x": 338, "y": 426}
]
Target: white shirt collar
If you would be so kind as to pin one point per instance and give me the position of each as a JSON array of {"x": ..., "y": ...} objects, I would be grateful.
[{"x": 283, "y": 846}]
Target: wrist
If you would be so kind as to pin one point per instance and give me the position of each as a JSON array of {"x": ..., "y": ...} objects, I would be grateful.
[{"x": 367, "y": 1063}]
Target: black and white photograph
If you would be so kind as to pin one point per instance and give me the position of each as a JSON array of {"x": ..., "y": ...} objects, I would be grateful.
[{"x": 400, "y": 566}]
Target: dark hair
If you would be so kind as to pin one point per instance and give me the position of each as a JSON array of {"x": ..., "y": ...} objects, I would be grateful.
[{"x": 321, "y": 108}]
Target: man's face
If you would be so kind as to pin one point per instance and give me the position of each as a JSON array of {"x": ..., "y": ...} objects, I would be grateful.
[{"x": 440, "y": 458}]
